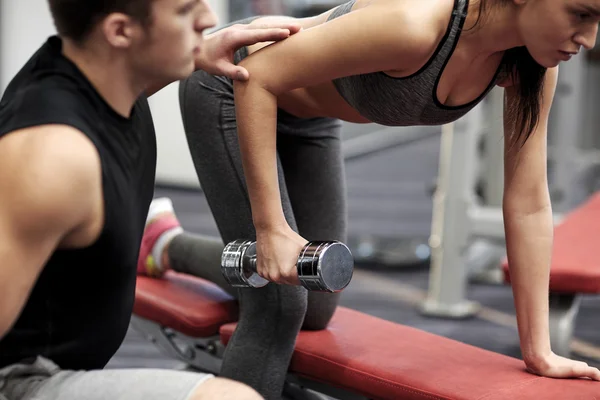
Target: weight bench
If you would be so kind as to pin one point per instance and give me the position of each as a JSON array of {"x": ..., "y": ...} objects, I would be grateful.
[
  {"x": 574, "y": 271},
  {"x": 357, "y": 357}
]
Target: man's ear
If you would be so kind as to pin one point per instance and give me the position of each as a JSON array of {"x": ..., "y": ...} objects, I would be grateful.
[{"x": 119, "y": 29}]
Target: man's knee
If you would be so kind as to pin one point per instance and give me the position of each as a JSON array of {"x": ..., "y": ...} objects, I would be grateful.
[{"x": 224, "y": 389}]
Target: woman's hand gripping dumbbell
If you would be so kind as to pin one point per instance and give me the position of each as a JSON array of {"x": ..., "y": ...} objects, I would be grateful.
[{"x": 324, "y": 266}]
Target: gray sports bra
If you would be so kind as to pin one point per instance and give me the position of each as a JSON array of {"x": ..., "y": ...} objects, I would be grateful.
[{"x": 410, "y": 100}]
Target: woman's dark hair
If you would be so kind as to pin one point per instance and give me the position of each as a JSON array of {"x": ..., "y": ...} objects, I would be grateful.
[
  {"x": 75, "y": 19},
  {"x": 519, "y": 65}
]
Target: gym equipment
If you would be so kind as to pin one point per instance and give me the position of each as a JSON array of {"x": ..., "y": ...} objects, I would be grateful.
[
  {"x": 569, "y": 156},
  {"x": 455, "y": 218},
  {"x": 390, "y": 235},
  {"x": 323, "y": 266},
  {"x": 357, "y": 357}
]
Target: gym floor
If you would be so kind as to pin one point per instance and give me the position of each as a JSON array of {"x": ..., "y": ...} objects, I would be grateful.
[{"x": 389, "y": 196}]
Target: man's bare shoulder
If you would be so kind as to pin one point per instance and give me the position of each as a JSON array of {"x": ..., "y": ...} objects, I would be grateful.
[{"x": 49, "y": 174}]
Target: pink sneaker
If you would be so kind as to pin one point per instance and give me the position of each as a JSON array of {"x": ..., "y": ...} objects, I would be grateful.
[{"x": 161, "y": 227}]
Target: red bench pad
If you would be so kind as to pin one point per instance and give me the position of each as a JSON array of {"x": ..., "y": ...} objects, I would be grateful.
[
  {"x": 358, "y": 352},
  {"x": 190, "y": 305},
  {"x": 385, "y": 360},
  {"x": 575, "y": 264}
]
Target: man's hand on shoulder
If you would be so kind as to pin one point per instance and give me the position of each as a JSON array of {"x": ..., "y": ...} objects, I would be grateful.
[{"x": 217, "y": 55}]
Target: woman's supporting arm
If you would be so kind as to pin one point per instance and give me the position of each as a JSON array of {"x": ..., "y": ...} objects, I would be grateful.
[{"x": 529, "y": 230}]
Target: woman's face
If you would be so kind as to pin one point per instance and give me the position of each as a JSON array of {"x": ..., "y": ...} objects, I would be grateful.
[{"x": 554, "y": 30}]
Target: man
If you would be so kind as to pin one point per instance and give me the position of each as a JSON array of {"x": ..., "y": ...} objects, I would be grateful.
[{"x": 77, "y": 165}]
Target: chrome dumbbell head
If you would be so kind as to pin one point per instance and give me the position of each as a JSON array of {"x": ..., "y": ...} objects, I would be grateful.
[
  {"x": 325, "y": 266},
  {"x": 238, "y": 264}
]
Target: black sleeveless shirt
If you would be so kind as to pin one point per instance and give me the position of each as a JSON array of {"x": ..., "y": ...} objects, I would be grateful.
[{"x": 79, "y": 310}]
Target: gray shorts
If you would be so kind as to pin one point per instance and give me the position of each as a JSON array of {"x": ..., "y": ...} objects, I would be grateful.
[{"x": 44, "y": 380}]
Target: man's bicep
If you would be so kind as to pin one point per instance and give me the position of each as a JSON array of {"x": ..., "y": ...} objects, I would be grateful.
[
  {"x": 48, "y": 176},
  {"x": 48, "y": 179},
  {"x": 32, "y": 225},
  {"x": 29, "y": 236},
  {"x": 23, "y": 258}
]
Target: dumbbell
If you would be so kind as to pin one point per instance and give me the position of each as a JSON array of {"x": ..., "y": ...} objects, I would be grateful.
[{"x": 323, "y": 266}]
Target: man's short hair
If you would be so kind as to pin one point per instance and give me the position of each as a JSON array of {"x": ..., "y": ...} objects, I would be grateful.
[{"x": 75, "y": 19}]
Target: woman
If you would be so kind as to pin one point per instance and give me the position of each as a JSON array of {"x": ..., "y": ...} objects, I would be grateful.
[{"x": 267, "y": 151}]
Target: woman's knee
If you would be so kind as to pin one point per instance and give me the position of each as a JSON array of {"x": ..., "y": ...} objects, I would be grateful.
[{"x": 320, "y": 309}]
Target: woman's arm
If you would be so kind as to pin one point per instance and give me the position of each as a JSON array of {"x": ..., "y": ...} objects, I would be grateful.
[
  {"x": 529, "y": 225},
  {"x": 529, "y": 230},
  {"x": 374, "y": 38},
  {"x": 371, "y": 39}
]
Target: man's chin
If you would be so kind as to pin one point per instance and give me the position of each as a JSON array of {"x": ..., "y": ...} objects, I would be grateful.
[{"x": 187, "y": 71}]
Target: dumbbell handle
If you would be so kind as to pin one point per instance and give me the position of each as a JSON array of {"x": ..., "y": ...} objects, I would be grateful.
[
  {"x": 325, "y": 266},
  {"x": 252, "y": 262}
]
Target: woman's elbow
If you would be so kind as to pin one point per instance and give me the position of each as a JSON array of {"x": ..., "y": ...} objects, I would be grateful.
[{"x": 528, "y": 199}]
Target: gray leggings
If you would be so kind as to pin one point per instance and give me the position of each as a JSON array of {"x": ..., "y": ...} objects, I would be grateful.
[{"x": 312, "y": 182}]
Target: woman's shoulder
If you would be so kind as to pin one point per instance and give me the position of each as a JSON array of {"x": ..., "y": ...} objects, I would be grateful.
[
  {"x": 426, "y": 20},
  {"x": 422, "y": 24}
]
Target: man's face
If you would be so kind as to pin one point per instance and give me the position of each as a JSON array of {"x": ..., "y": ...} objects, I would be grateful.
[{"x": 173, "y": 39}]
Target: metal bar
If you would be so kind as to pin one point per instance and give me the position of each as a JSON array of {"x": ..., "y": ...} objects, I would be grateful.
[
  {"x": 563, "y": 312},
  {"x": 565, "y": 131},
  {"x": 493, "y": 161},
  {"x": 449, "y": 229}
]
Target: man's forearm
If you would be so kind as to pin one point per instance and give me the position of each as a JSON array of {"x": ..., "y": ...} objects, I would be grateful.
[{"x": 529, "y": 245}]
